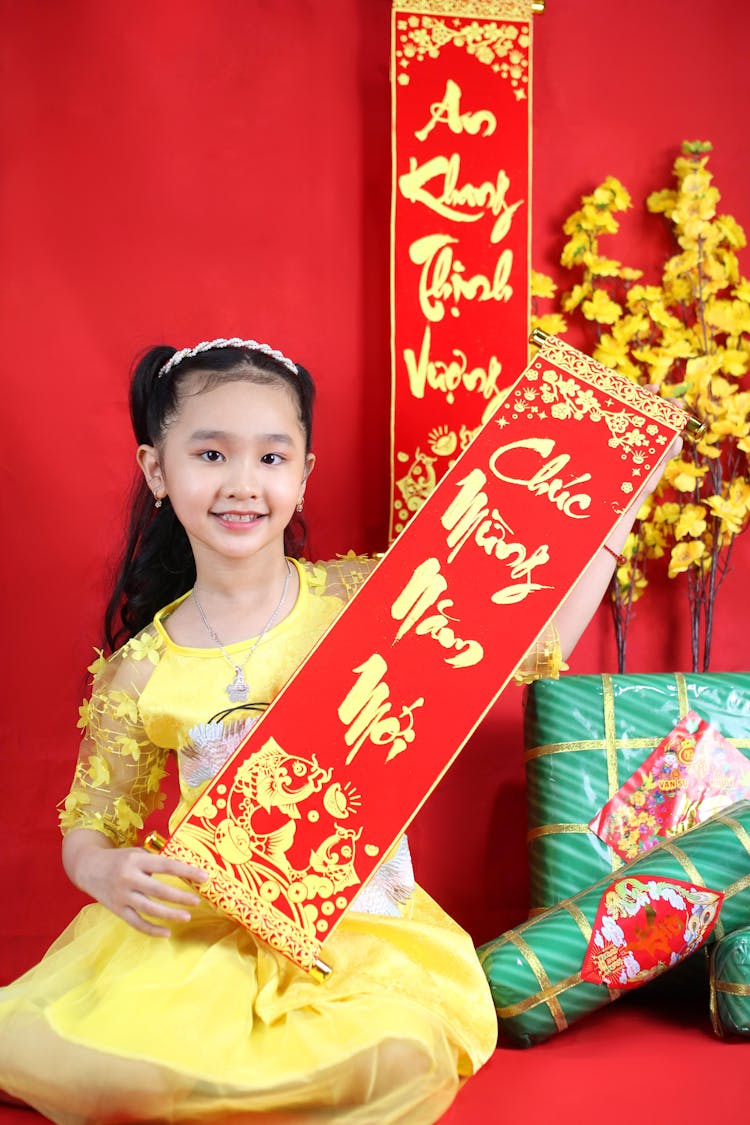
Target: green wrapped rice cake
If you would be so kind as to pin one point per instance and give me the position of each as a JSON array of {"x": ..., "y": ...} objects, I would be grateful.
[
  {"x": 730, "y": 984},
  {"x": 584, "y": 737},
  {"x": 551, "y": 970}
]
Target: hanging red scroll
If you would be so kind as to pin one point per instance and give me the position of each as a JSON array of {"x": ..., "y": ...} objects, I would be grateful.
[
  {"x": 371, "y": 721},
  {"x": 461, "y": 86}
]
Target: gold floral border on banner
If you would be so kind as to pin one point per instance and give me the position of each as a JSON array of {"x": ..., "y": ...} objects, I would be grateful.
[
  {"x": 503, "y": 47},
  {"x": 482, "y": 9}
]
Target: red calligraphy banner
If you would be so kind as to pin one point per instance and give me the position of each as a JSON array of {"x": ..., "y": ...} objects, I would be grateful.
[
  {"x": 358, "y": 738},
  {"x": 460, "y": 211}
]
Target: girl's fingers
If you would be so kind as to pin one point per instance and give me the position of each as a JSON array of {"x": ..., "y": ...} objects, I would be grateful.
[
  {"x": 166, "y": 892},
  {"x": 134, "y": 919},
  {"x": 165, "y": 865},
  {"x": 153, "y": 907}
]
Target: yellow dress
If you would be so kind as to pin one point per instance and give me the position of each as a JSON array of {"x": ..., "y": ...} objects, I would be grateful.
[{"x": 209, "y": 1025}]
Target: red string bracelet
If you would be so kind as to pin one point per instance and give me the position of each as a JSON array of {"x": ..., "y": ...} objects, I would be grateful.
[{"x": 620, "y": 559}]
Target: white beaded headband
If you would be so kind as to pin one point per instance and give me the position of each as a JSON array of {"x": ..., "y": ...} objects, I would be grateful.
[{"x": 235, "y": 342}]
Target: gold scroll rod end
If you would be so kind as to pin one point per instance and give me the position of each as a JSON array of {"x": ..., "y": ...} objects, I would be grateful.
[
  {"x": 537, "y": 7},
  {"x": 154, "y": 843},
  {"x": 538, "y": 337},
  {"x": 694, "y": 428},
  {"x": 320, "y": 971}
]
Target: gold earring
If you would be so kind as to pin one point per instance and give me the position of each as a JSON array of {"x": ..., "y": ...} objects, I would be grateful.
[{"x": 300, "y": 503}]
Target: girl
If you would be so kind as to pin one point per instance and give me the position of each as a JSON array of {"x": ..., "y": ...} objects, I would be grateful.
[{"x": 212, "y": 614}]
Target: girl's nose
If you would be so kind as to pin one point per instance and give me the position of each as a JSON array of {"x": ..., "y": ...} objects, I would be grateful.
[{"x": 241, "y": 482}]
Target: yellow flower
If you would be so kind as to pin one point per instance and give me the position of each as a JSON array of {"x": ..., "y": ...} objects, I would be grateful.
[
  {"x": 542, "y": 285},
  {"x": 572, "y": 299},
  {"x": 98, "y": 664},
  {"x": 658, "y": 362},
  {"x": 601, "y": 308},
  {"x": 610, "y": 193},
  {"x": 662, "y": 201},
  {"x": 731, "y": 231},
  {"x": 685, "y": 555},
  {"x": 654, "y": 540},
  {"x": 667, "y": 513},
  {"x": 684, "y": 475},
  {"x": 574, "y": 250},
  {"x": 739, "y": 492},
  {"x": 692, "y": 522},
  {"x": 734, "y": 361},
  {"x": 604, "y": 267},
  {"x": 731, "y": 510},
  {"x": 554, "y": 324},
  {"x": 702, "y": 365}
]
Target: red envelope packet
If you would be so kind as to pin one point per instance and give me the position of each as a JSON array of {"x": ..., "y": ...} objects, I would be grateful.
[
  {"x": 692, "y": 774},
  {"x": 645, "y": 926}
]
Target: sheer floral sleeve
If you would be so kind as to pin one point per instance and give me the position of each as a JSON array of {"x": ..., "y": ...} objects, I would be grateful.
[{"x": 117, "y": 780}]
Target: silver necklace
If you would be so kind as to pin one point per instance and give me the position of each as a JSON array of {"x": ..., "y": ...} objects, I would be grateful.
[{"x": 239, "y": 689}]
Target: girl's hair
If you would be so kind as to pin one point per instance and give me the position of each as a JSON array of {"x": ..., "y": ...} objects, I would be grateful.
[{"x": 156, "y": 565}]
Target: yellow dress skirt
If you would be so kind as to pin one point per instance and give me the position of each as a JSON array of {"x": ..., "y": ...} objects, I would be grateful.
[{"x": 208, "y": 1026}]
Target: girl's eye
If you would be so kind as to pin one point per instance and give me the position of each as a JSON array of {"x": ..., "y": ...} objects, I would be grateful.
[
  {"x": 272, "y": 459},
  {"x": 212, "y": 455}
]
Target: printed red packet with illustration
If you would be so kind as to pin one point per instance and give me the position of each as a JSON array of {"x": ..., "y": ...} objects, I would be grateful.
[
  {"x": 326, "y": 782},
  {"x": 645, "y": 926},
  {"x": 692, "y": 774}
]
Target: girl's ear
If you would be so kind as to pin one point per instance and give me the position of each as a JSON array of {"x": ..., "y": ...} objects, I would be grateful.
[
  {"x": 148, "y": 460},
  {"x": 309, "y": 466}
]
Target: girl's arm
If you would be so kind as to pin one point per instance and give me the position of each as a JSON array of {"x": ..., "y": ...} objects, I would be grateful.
[
  {"x": 117, "y": 784},
  {"x": 582, "y": 602},
  {"x": 125, "y": 880}
]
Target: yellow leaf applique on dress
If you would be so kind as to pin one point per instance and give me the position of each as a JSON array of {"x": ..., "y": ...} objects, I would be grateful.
[
  {"x": 98, "y": 771},
  {"x": 72, "y": 808},
  {"x": 84, "y": 715},
  {"x": 147, "y": 646},
  {"x": 123, "y": 705},
  {"x": 129, "y": 747},
  {"x": 96, "y": 667},
  {"x": 126, "y": 816}
]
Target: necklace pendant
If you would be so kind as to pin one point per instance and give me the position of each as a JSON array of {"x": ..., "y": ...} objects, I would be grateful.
[{"x": 239, "y": 689}]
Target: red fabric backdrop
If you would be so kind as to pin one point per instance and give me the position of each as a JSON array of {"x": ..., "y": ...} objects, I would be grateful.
[{"x": 197, "y": 168}]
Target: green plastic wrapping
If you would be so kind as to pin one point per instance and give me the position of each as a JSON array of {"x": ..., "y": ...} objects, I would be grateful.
[
  {"x": 534, "y": 969},
  {"x": 730, "y": 984},
  {"x": 584, "y": 736}
]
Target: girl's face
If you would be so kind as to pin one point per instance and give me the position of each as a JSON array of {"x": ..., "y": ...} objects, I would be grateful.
[{"x": 234, "y": 466}]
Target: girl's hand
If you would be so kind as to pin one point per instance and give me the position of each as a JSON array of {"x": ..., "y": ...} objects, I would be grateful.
[{"x": 123, "y": 880}]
